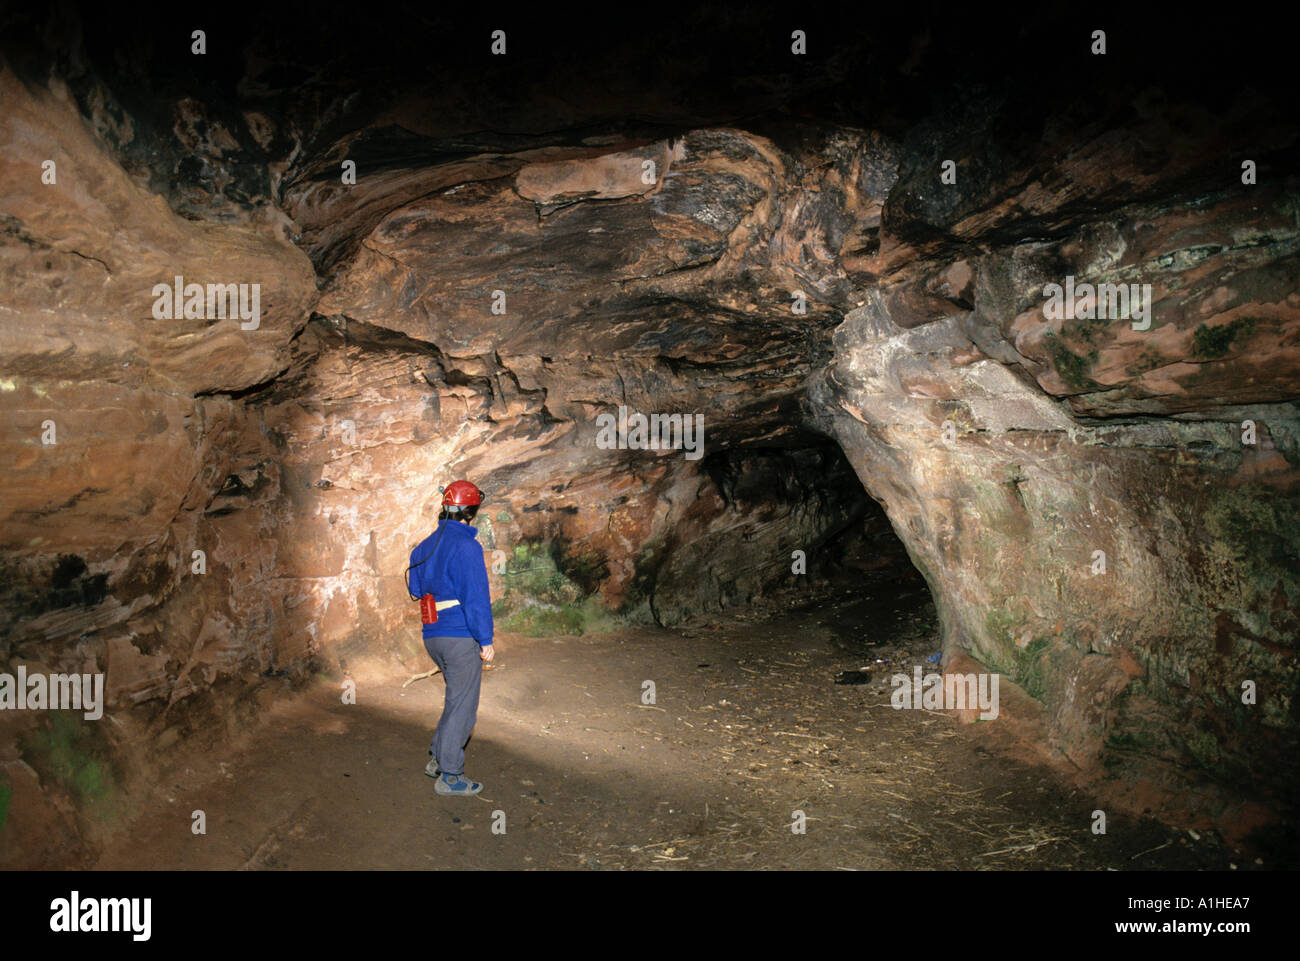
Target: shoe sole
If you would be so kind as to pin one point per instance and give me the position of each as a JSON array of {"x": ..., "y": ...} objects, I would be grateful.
[{"x": 447, "y": 792}]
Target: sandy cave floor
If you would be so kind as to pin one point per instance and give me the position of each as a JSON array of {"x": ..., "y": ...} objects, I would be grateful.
[{"x": 748, "y": 727}]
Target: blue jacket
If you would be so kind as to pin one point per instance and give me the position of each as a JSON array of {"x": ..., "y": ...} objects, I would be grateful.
[{"x": 455, "y": 570}]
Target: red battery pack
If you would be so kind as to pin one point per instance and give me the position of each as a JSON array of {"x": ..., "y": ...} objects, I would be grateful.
[{"x": 428, "y": 610}]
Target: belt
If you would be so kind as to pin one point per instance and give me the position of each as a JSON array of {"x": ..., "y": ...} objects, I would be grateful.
[{"x": 443, "y": 605}]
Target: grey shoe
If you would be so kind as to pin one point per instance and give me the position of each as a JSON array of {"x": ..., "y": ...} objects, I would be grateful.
[
  {"x": 431, "y": 768},
  {"x": 456, "y": 785}
]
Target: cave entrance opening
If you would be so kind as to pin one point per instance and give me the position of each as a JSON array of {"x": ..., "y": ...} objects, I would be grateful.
[{"x": 799, "y": 535}]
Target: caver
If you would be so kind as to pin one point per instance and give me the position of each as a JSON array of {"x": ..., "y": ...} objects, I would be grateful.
[{"x": 448, "y": 576}]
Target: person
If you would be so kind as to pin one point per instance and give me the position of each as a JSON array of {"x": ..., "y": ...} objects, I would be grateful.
[{"x": 449, "y": 565}]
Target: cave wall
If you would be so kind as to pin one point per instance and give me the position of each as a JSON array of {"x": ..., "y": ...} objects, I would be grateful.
[
  {"x": 671, "y": 298},
  {"x": 121, "y": 433},
  {"x": 1009, "y": 446},
  {"x": 301, "y": 457}
]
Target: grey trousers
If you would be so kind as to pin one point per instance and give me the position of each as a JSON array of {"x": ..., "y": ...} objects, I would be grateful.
[{"x": 462, "y": 668}]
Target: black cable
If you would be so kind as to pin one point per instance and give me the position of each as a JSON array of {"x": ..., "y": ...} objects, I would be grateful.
[{"x": 412, "y": 567}]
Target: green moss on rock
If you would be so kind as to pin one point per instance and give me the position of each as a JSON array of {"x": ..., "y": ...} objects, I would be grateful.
[
  {"x": 1212, "y": 342},
  {"x": 1253, "y": 535},
  {"x": 1204, "y": 748},
  {"x": 531, "y": 571},
  {"x": 67, "y": 752},
  {"x": 1149, "y": 359},
  {"x": 1072, "y": 368},
  {"x": 1029, "y": 668},
  {"x": 541, "y": 599},
  {"x": 587, "y": 616}
]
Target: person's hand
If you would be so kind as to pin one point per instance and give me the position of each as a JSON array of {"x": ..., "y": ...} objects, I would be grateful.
[{"x": 486, "y": 652}]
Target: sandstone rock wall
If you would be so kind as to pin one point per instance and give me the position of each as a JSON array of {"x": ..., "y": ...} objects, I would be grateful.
[
  {"x": 1010, "y": 446},
  {"x": 222, "y": 504}
]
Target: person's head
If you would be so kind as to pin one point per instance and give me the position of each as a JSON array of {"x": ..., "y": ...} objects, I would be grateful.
[
  {"x": 460, "y": 502},
  {"x": 463, "y": 514}
]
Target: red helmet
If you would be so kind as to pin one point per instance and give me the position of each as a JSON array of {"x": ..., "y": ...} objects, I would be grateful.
[{"x": 461, "y": 494}]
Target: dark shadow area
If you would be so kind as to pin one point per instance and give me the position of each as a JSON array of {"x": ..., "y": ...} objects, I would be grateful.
[{"x": 856, "y": 578}]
